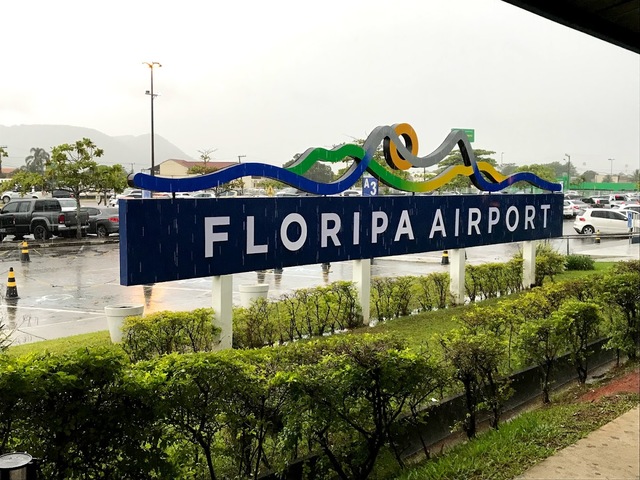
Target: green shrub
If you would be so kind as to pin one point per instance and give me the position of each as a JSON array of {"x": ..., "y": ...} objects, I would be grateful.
[
  {"x": 549, "y": 263},
  {"x": 579, "y": 262},
  {"x": 165, "y": 332},
  {"x": 256, "y": 326},
  {"x": 80, "y": 414}
]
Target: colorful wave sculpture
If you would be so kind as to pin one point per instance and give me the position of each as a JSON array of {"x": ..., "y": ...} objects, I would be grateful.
[{"x": 400, "y": 147}]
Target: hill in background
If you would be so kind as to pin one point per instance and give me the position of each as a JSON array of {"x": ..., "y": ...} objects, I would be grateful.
[{"x": 125, "y": 150}]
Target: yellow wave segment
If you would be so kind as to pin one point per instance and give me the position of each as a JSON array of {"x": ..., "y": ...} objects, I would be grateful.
[{"x": 464, "y": 170}]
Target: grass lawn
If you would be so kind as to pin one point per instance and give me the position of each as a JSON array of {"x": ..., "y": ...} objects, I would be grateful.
[
  {"x": 525, "y": 440},
  {"x": 64, "y": 344},
  {"x": 417, "y": 329}
]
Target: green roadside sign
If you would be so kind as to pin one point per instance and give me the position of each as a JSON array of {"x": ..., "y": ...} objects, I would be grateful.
[{"x": 471, "y": 133}]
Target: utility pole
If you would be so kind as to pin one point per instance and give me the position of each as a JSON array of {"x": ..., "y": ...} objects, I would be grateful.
[
  {"x": 568, "y": 170},
  {"x": 240, "y": 157}
]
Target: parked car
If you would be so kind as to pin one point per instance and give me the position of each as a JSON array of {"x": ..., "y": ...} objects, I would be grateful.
[
  {"x": 61, "y": 194},
  {"x": 603, "y": 220},
  {"x": 617, "y": 198},
  {"x": 12, "y": 194},
  {"x": 571, "y": 208},
  {"x": 596, "y": 202},
  {"x": 68, "y": 204},
  {"x": 633, "y": 208},
  {"x": 40, "y": 217},
  {"x": 351, "y": 193},
  {"x": 627, "y": 204},
  {"x": 203, "y": 195},
  {"x": 128, "y": 193},
  {"x": 103, "y": 221}
]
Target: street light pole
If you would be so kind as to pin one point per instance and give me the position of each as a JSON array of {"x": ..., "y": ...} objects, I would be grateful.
[
  {"x": 611, "y": 172},
  {"x": 568, "y": 169},
  {"x": 151, "y": 66}
]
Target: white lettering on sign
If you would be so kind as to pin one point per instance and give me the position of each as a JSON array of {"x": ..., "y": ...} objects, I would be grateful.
[
  {"x": 251, "y": 242},
  {"x": 332, "y": 232},
  {"x": 438, "y": 224},
  {"x": 284, "y": 234},
  {"x": 210, "y": 237},
  {"x": 494, "y": 218},
  {"x": 356, "y": 228},
  {"x": 529, "y": 215},
  {"x": 379, "y": 224},
  {"x": 326, "y": 232},
  {"x": 512, "y": 212},
  {"x": 404, "y": 226},
  {"x": 544, "y": 209},
  {"x": 474, "y": 221}
]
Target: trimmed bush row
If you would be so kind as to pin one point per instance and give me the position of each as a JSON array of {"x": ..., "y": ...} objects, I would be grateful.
[{"x": 343, "y": 400}]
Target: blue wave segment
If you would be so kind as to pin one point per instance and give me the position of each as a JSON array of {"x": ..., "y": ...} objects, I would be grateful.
[
  {"x": 528, "y": 177},
  {"x": 228, "y": 174},
  {"x": 481, "y": 183}
]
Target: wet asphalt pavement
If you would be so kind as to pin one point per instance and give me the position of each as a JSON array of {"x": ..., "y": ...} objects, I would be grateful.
[{"x": 63, "y": 289}]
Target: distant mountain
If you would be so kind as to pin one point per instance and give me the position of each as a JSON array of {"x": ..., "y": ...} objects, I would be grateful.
[{"x": 125, "y": 150}]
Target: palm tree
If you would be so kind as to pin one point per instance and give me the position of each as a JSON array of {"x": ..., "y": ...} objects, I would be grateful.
[
  {"x": 3, "y": 153},
  {"x": 37, "y": 160}
]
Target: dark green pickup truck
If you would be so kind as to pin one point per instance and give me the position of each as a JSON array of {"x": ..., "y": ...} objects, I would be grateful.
[{"x": 41, "y": 218}]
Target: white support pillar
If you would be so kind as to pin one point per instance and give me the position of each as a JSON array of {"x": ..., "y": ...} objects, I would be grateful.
[
  {"x": 362, "y": 279},
  {"x": 457, "y": 275},
  {"x": 529, "y": 264},
  {"x": 222, "y": 303}
]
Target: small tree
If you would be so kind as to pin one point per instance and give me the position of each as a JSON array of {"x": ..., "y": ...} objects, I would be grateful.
[
  {"x": 109, "y": 178},
  {"x": 73, "y": 167},
  {"x": 541, "y": 341},
  {"x": 347, "y": 401},
  {"x": 621, "y": 291},
  {"x": 580, "y": 324},
  {"x": 475, "y": 359}
]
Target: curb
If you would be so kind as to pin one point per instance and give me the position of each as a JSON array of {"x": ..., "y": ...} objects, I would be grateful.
[{"x": 8, "y": 245}]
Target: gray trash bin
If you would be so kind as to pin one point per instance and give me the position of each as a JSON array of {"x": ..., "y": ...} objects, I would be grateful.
[{"x": 16, "y": 466}]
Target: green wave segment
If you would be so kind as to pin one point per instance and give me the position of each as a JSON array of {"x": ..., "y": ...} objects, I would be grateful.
[
  {"x": 324, "y": 155},
  {"x": 393, "y": 181}
]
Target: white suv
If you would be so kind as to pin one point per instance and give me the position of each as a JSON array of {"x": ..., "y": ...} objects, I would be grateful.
[
  {"x": 603, "y": 220},
  {"x": 10, "y": 195}
]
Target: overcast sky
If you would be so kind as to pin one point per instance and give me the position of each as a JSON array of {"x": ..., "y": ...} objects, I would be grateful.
[{"x": 268, "y": 79}]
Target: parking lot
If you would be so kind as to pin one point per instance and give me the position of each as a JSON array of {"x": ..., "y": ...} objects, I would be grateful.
[{"x": 65, "y": 286}]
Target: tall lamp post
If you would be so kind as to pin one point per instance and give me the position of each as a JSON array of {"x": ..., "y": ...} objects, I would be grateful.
[
  {"x": 568, "y": 170},
  {"x": 611, "y": 171},
  {"x": 151, "y": 66}
]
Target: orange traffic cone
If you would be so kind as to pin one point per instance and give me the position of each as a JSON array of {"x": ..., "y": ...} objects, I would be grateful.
[{"x": 12, "y": 289}]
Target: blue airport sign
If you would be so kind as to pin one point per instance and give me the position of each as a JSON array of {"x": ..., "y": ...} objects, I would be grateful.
[
  {"x": 369, "y": 186},
  {"x": 172, "y": 239}
]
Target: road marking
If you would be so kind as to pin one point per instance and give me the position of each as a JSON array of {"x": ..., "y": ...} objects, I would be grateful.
[{"x": 58, "y": 310}]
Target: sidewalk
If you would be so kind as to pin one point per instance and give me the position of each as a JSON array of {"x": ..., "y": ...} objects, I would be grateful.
[{"x": 610, "y": 453}]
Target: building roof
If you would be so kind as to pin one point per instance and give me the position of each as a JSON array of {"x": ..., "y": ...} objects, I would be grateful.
[
  {"x": 614, "y": 21},
  {"x": 190, "y": 164}
]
